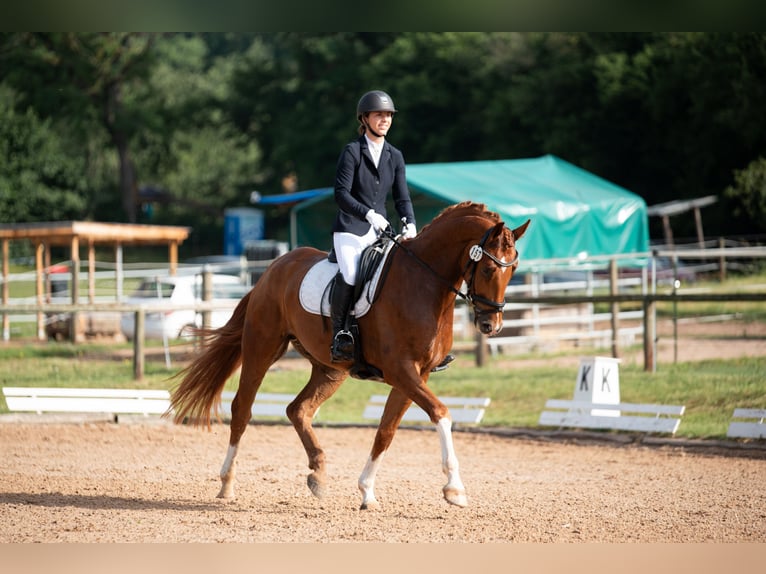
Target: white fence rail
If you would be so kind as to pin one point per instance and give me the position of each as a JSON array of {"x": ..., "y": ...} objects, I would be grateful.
[{"x": 539, "y": 309}]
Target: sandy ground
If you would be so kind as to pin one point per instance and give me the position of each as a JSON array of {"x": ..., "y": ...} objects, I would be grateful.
[
  {"x": 94, "y": 481},
  {"x": 103, "y": 482}
]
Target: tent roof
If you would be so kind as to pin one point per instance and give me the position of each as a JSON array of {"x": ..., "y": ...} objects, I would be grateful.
[{"x": 573, "y": 211}]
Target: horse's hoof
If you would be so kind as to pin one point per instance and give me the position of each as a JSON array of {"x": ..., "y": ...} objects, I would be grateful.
[
  {"x": 456, "y": 497},
  {"x": 225, "y": 492},
  {"x": 370, "y": 505},
  {"x": 316, "y": 485}
]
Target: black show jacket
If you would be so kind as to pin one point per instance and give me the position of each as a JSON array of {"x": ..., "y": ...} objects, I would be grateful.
[{"x": 359, "y": 186}]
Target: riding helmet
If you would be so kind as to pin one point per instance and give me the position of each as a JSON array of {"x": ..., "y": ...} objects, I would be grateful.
[{"x": 374, "y": 101}]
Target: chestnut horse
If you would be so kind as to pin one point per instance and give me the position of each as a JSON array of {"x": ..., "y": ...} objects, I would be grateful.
[{"x": 405, "y": 334}]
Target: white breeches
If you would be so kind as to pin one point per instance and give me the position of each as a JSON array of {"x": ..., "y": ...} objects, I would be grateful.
[{"x": 348, "y": 249}]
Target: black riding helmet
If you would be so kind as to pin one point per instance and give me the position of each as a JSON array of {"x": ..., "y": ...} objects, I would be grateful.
[{"x": 374, "y": 101}]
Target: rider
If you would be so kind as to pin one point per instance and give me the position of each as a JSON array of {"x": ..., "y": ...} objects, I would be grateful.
[{"x": 368, "y": 169}]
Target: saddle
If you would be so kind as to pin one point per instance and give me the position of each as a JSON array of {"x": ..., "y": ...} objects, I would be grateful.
[
  {"x": 315, "y": 290},
  {"x": 314, "y": 294}
]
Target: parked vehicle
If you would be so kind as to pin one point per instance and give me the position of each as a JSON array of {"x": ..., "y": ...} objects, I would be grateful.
[{"x": 162, "y": 292}]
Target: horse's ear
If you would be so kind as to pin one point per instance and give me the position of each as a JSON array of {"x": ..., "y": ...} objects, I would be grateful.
[
  {"x": 519, "y": 231},
  {"x": 497, "y": 231}
]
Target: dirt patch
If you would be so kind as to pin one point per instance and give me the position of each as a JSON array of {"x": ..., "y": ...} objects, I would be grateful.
[{"x": 104, "y": 482}]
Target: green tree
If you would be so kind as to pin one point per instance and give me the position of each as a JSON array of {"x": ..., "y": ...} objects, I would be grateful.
[
  {"x": 85, "y": 76},
  {"x": 39, "y": 180},
  {"x": 189, "y": 146},
  {"x": 296, "y": 94},
  {"x": 748, "y": 193}
]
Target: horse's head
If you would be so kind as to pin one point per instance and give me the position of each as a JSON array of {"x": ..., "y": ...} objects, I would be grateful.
[{"x": 490, "y": 266}]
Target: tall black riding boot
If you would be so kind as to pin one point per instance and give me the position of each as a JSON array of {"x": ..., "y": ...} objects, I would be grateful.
[{"x": 342, "y": 341}]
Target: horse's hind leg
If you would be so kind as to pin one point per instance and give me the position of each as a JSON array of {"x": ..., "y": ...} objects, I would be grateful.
[
  {"x": 255, "y": 364},
  {"x": 322, "y": 385}
]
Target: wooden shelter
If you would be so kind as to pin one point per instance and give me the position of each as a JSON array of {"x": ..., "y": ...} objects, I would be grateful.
[
  {"x": 666, "y": 210},
  {"x": 74, "y": 234}
]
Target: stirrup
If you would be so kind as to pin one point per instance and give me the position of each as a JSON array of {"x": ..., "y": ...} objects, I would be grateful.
[
  {"x": 342, "y": 346},
  {"x": 444, "y": 364}
]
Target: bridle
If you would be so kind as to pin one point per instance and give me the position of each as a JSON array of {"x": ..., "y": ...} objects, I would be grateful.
[{"x": 475, "y": 254}]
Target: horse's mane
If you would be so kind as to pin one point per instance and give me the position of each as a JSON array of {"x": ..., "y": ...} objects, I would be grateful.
[{"x": 463, "y": 209}]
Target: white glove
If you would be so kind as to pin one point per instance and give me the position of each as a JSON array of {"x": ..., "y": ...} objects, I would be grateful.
[
  {"x": 378, "y": 222},
  {"x": 409, "y": 231}
]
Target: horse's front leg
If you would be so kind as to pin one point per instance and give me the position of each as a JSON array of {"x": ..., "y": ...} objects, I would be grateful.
[
  {"x": 454, "y": 491},
  {"x": 396, "y": 405}
]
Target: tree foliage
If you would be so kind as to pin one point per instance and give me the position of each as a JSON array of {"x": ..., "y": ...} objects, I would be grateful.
[{"x": 89, "y": 120}]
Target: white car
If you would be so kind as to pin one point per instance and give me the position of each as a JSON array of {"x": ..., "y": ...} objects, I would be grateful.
[{"x": 162, "y": 292}]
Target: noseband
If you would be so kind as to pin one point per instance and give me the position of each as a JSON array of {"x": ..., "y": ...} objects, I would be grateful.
[{"x": 475, "y": 254}]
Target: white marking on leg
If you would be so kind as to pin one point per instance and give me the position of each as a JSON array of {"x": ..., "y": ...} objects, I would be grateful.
[
  {"x": 454, "y": 491},
  {"x": 228, "y": 471},
  {"x": 367, "y": 482}
]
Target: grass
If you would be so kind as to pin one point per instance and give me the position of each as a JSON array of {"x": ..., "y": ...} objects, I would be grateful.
[{"x": 710, "y": 389}]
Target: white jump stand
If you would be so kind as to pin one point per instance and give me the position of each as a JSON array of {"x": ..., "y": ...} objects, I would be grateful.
[{"x": 598, "y": 381}]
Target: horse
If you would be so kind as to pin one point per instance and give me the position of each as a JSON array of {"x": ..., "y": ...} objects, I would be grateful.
[{"x": 406, "y": 333}]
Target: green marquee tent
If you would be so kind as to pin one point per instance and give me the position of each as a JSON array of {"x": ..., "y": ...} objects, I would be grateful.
[{"x": 573, "y": 212}]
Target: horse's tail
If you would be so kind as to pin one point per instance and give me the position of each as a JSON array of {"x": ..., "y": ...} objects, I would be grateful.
[{"x": 199, "y": 392}]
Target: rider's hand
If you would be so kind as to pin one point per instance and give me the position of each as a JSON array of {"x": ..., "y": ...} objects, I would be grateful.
[
  {"x": 409, "y": 231},
  {"x": 378, "y": 222}
]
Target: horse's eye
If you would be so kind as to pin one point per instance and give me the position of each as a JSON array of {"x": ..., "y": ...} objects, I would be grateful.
[{"x": 488, "y": 271}]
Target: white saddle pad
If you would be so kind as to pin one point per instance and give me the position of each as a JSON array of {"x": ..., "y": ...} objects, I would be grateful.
[{"x": 315, "y": 296}]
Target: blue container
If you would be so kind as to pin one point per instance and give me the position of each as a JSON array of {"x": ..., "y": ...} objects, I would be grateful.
[{"x": 240, "y": 225}]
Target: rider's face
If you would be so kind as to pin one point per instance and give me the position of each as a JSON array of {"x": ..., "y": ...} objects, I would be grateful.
[{"x": 380, "y": 122}]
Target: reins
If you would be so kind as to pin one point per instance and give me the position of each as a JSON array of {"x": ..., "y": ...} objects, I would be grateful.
[{"x": 475, "y": 255}]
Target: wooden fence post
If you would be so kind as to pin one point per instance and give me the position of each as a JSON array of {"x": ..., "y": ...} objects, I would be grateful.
[
  {"x": 481, "y": 349},
  {"x": 721, "y": 260},
  {"x": 139, "y": 335},
  {"x": 74, "y": 327},
  {"x": 5, "y": 295},
  {"x": 650, "y": 327},
  {"x": 207, "y": 294}
]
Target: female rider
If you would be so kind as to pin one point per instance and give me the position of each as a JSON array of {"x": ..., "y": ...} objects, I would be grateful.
[{"x": 368, "y": 169}]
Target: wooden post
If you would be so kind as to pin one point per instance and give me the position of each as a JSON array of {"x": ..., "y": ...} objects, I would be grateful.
[
  {"x": 721, "y": 260},
  {"x": 47, "y": 275},
  {"x": 481, "y": 349},
  {"x": 698, "y": 225},
  {"x": 91, "y": 272},
  {"x": 119, "y": 275},
  {"x": 668, "y": 231},
  {"x": 139, "y": 334},
  {"x": 173, "y": 256},
  {"x": 650, "y": 327},
  {"x": 75, "y": 267},
  {"x": 39, "y": 294},
  {"x": 207, "y": 294},
  {"x": 613, "y": 290},
  {"x": 6, "y": 317}
]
